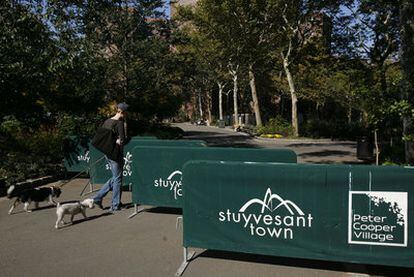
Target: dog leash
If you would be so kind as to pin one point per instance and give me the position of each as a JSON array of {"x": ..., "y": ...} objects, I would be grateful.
[{"x": 80, "y": 173}]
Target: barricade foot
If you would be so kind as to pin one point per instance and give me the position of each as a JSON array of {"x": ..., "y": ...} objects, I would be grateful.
[
  {"x": 187, "y": 259},
  {"x": 137, "y": 210},
  {"x": 177, "y": 222}
]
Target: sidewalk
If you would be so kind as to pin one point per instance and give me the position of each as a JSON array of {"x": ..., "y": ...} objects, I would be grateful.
[{"x": 323, "y": 151}]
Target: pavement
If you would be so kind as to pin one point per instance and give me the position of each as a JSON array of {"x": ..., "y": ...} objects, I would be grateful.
[
  {"x": 319, "y": 151},
  {"x": 149, "y": 244}
]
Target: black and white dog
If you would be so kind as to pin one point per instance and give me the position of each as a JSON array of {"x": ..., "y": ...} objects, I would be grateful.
[{"x": 32, "y": 195}]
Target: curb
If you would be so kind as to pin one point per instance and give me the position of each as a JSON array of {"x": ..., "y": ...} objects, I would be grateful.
[{"x": 318, "y": 141}]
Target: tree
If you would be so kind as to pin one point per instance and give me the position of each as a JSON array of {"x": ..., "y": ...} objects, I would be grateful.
[
  {"x": 407, "y": 61},
  {"x": 377, "y": 37},
  {"x": 296, "y": 30},
  {"x": 368, "y": 31},
  {"x": 243, "y": 29},
  {"x": 134, "y": 39},
  {"x": 256, "y": 21},
  {"x": 25, "y": 57}
]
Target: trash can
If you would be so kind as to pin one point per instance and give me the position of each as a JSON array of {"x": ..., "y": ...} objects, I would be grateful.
[
  {"x": 228, "y": 120},
  {"x": 221, "y": 124},
  {"x": 365, "y": 149},
  {"x": 247, "y": 119}
]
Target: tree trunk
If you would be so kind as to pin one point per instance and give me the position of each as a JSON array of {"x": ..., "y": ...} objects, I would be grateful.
[
  {"x": 256, "y": 106},
  {"x": 317, "y": 110},
  {"x": 200, "y": 105},
  {"x": 235, "y": 92},
  {"x": 209, "y": 106},
  {"x": 407, "y": 61},
  {"x": 377, "y": 149},
  {"x": 236, "y": 108},
  {"x": 221, "y": 87},
  {"x": 293, "y": 97}
]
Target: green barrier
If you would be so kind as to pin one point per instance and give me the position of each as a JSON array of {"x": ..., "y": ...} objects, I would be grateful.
[
  {"x": 357, "y": 214},
  {"x": 144, "y": 138},
  {"x": 100, "y": 172},
  {"x": 76, "y": 153},
  {"x": 157, "y": 181}
]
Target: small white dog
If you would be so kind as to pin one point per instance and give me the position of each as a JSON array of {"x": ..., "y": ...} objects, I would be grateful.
[{"x": 72, "y": 208}]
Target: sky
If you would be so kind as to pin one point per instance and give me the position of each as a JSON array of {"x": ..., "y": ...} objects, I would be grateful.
[{"x": 167, "y": 8}]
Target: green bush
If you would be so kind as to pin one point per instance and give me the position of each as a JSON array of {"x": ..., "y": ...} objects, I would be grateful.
[
  {"x": 78, "y": 125},
  {"x": 34, "y": 151},
  {"x": 392, "y": 154},
  {"x": 27, "y": 152},
  {"x": 332, "y": 129},
  {"x": 277, "y": 125}
]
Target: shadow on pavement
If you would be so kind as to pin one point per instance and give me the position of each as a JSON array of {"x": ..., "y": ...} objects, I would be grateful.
[
  {"x": 306, "y": 263},
  {"x": 89, "y": 218},
  {"x": 203, "y": 134},
  {"x": 162, "y": 210},
  {"x": 33, "y": 209},
  {"x": 233, "y": 144},
  {"x": 125, "y": 206},
  {"x": 44, "y": 208},
  {"x": 326, "y": 153}
]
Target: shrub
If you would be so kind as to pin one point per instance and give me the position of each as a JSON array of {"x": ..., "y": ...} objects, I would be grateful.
[
  {"x": 28, "y": 153},
  {"x": 78, "y": 125},
  {"x": 332, "y": 129},
  {"x": 277, "y": 125}
]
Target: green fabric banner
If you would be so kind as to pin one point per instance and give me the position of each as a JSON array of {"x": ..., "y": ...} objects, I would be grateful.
[
  {"x": 76, "y": 153},
  {"x": 144, "y": 138},
  {"x": 157, "y": 177},
  {"x": 100, "y": 172},
  {"x": 358, "y": 214}
]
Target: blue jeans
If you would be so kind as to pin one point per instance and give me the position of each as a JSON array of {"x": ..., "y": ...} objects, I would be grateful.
[{"x": 113, "y": 184}]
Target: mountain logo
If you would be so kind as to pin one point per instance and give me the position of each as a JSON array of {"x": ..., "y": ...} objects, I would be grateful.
[
  {"x": 85, "y": 157},
  {"x": 265, "y": 222},
  {"x": 267, "y": 203},
  {"x": 177, "y": 172}
]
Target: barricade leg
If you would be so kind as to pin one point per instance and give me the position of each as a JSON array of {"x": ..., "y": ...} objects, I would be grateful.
[
  {"x": 91, "y": 189},
  {"x": 187, "y": 258},
  {"x": 177, "y": 222},
  {"x": 136, "y": 211}
]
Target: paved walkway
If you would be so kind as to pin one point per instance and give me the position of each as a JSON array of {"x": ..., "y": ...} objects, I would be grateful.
[{"x": 308, "y": 150}]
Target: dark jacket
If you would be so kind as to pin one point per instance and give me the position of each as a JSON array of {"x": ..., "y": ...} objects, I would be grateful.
[{"x": 106, "y": 136}]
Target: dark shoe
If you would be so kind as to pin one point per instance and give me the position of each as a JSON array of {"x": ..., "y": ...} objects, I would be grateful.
[
  {"x": 112, "y": 211},
  {"x": 122, "y": 206},
  {"x": 99, "y": 204}
]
